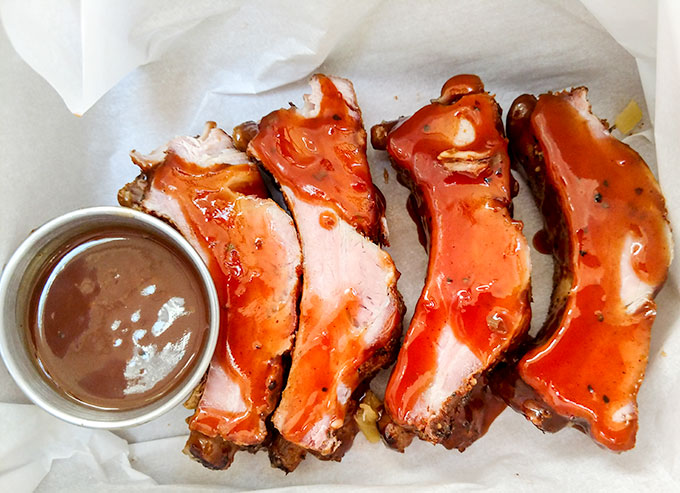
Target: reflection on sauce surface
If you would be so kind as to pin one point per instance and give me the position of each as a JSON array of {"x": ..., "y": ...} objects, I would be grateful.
[
  {"x": 614, "y": 215},
  {"x": 117, "y": 318}
]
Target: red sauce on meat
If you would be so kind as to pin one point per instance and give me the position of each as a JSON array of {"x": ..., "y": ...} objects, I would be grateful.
[
  {"x": 243, "y": 258},
  {"x": 478, "y": 258},
  {"x": 349, "y": 311},
  {"x": 323, "y": 376},
  {"x": 460, "y": 84},
  {"x": 592, "y": 366},
  {"x": 323, "y": 158}
]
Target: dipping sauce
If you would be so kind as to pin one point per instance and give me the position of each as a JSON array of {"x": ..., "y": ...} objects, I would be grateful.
[{"x": 117, "y": 318}]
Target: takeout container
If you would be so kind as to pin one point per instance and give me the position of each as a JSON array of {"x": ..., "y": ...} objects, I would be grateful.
[{"x": 17, "y": 281}]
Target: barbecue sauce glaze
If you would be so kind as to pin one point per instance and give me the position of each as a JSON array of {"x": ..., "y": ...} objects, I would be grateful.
[
  {"x": 220, "y": 205},
  {"x": 476, "y": 285},
  {"x": 323, "y": 158},
  {"x": 605, "y": 212},
  {"x": 319, "y": 159}
]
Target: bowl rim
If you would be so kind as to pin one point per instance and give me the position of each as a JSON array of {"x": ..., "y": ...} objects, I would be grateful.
[{"x": 156, "y": 408}]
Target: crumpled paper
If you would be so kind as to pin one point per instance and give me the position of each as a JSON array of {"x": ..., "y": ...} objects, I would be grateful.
[
  {"x": 207, "y": 62},
  {"x": 48, "y": 440},
  {"x": 87, "y": 47}
]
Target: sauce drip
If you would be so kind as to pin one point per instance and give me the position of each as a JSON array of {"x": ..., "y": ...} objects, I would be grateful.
[
  {"x": 250, "y": 248},
  {"x": 592, "y": 366},
  {"x": 417, "y": 213},
  {"x": 118, "y": 319},
  {"x": 323, "y": 157},
  {"x": 478, "y": 271},
  {"x": 542, "y": 242},
  {"x": 327, "y": 220}
]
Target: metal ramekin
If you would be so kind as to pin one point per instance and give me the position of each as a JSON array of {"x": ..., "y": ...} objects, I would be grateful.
[{"x": 15, "y": 285}]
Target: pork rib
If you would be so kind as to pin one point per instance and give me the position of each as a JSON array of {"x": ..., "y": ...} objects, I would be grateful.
[
  {"x": 475, "y": 304},
  {"x": 350, "y": 311},
  {"x": 606, "y": 220},
  {"x": 216, "y": 198}
]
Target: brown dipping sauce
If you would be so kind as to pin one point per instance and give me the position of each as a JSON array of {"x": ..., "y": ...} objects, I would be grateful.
[{"x": 117, "y": 318}]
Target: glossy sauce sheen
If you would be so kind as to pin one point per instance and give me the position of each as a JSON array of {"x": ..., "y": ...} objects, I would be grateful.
[
  {"x": 324, "y": 157},
  {"x": 592, "y": 366},
  {"x": 118, "y": 319},
  {"x": 350, "y": 310},
  {"x": 244, "y": 255},
  {"x": 478, "y": 272}
]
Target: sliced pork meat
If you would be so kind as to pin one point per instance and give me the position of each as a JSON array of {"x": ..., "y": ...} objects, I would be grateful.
[
  {"x": 350, "y": 311},
  {"x": 216, "y": 198},
  {"x": 605, "y": 219},
  {"x": 475, "y": 304}
]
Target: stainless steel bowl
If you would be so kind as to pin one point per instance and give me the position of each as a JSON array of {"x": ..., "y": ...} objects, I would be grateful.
[{"x": 17, "y": 281}]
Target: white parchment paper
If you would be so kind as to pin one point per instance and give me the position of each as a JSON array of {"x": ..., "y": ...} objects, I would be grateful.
[{"x": 236, "y": 61}]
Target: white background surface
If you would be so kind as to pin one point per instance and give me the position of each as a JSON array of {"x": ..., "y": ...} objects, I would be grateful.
[{"x": 209, "y": 63}]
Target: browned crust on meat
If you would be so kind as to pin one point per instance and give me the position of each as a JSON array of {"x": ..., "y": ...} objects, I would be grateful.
[
  {"x": 212, "y": 452},
  {"x": 394, "y": 436},
  {"x": 346, "y": 433},
  {"x": 285, "y": 455},
  {"x": 506, "y": 383},
  {"x": 528, "y": 159},
  {"x": 132, "y": 194},
  {"x": 472, "y": 415},
  {"x": 380, "y": 132},
  {"x": 195, "y": 396},
  {"x": 465, "y": 416},
  {"x": 382, "y": 358},
  {"x": 243, "y": 134}
]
